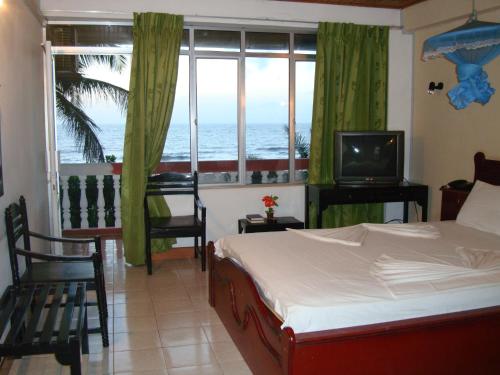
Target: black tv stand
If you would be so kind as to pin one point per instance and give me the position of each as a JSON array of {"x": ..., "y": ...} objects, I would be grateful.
[
  {"x": 365, "y": 184},
  {"x": 327, "y": 195}
]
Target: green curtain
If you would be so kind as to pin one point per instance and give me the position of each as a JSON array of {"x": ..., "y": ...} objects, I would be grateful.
[
  {"x": 350, "y": 94},
  {"x": 153, "y": 77}
]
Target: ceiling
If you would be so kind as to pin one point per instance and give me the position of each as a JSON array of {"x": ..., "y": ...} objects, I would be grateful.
[{"x": 393, "y": 4}]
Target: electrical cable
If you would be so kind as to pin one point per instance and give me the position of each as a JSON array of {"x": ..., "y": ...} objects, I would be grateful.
[
  {"x": 394, "y": 221},
  {"x": 416, "y": 210}
]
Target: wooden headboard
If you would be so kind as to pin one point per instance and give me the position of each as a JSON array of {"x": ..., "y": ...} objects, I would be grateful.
[{"x": 486, "y": 170}]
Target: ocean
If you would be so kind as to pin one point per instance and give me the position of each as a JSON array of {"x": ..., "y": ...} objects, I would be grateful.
[{"x": 215, "y": 142}]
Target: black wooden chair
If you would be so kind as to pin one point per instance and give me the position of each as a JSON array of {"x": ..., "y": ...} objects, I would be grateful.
[
  {"x": 47, "y": 268},
  {"x": 194, "y": 225}
]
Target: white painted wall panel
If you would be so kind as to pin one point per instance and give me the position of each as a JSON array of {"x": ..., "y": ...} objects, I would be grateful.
[
  {"x": 22, "y": 120},
  {"x": 226, "y": 205},
  {"x": 400, "y": 100}
]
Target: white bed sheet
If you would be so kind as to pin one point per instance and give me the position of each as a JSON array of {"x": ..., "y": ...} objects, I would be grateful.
[{"x": 313, "y": 285}]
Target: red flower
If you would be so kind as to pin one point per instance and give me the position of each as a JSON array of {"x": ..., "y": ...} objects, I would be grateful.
[{"x": 270, "y": 201}]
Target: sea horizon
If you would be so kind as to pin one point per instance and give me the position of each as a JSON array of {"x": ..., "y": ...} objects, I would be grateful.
[{"x": 215, "y": 142}]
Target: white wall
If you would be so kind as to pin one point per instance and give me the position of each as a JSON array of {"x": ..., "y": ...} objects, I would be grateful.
[
  {"x": 400, "y": 101},
  {"x": 226, "y": 205},
  {"x": 22, "y": 119}
]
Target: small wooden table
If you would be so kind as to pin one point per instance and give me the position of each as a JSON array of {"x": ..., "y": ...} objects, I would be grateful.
[
  {"x": 41, "y": 317},
  {"x": 280, "y": 224}
]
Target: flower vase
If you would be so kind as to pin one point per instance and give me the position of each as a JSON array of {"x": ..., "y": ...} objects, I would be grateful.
[{"x": 270, "y": 217}]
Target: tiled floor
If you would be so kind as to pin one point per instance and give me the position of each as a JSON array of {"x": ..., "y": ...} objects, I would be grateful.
[{"x": 159, "y": 324}]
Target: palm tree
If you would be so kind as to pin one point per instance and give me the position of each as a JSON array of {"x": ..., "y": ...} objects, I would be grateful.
[
  {"x": 301, "y": 145},
  {"x": 72, "y": 86}
]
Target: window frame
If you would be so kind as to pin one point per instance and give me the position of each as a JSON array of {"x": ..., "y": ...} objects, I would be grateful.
[
  {"x": 241, "y": 56},
  {"x": 241, "y": 99}
]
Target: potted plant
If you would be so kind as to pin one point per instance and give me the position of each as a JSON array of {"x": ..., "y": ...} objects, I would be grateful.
[{"x": 270, "y": 201}]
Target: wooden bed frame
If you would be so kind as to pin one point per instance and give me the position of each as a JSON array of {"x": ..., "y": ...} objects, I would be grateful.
[{"x": 457, "y": 343}]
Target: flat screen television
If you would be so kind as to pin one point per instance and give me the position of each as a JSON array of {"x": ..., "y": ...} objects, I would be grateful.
[{"x": 369, "y": 157}]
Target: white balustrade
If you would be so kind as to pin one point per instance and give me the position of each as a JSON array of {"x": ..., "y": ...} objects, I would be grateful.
[
  {"x": 101, "y": 223},
  {"x": 117, "y": 201},
  {"x": 66, "y": 213},
  {"x": 106, "y": 169},
  {"x": 84, "y": 215},
  {"x": 82, "y": 171}
]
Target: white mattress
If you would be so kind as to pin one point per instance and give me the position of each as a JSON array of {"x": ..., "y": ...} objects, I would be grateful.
[{"x": 314, "y": 285}]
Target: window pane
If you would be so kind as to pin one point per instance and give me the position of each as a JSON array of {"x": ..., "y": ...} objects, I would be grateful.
[
  {"x": 177, "y": 151},
  {"x": 304, "y": 91},
  {"x": 217, "y": 98},
  {"x": 185, "y": 40},
  {"x": 305, "y": 44},
  {"x": 104, "y": 108},
  {"x": 266, "y": 81},
  {"x": 216, "y": 40},
  {"x": 267, "y": 42},
  {"x": 89, "y": 35}
]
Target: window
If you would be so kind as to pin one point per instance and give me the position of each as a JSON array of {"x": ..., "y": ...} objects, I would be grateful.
[
  {"x": 216, "y": 40},
  {"x": 91, "y": 93},
  {"x": 304, "y": 90},
  {"x": 267, "y": 42},
  {"x": 89, "y": 35},
  {"x": 304, "y": 49},
  {"x": 217, "y": 100},
  {"x": 243, "y": 104},
  {"x": 267, "y": 131},
  {"x": 177, "y": 150}
]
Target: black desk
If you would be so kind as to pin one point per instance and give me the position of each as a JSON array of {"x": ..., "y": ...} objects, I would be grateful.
[
  {"x": 326, "y": 195},
  {"x": 281, "y": 223}
]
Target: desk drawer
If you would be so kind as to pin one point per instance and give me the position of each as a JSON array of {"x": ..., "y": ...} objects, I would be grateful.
[
  {"x": 374, "y": 195},
  {"x": 351, "y": 196},
  {"x": 395, "y": 195}
]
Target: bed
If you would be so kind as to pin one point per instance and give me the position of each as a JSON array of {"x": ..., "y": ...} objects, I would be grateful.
[{"x": 460, "y": 342}]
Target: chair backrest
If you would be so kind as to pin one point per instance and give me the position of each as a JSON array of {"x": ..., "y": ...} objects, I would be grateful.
[
  {"x": 172, "y": 183},
  {"x": 16, "y": 225}
]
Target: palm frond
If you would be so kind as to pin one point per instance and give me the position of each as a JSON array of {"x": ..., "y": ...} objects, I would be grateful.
[
  {"x": 81, "y": 127},
  {"x": 301, "y": 145},
  {"x": 75, "y": 87},
  {"x": 104, "y": 90},
  {"x": 115, "y": 63}
]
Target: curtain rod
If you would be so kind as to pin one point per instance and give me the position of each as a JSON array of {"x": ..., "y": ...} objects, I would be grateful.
[{"x": 190, "y": 20}]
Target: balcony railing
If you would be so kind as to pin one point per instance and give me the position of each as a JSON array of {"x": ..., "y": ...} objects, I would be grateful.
[{"x": 99, "y": 206}]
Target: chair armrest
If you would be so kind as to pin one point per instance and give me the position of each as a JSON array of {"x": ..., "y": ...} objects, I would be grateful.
[
  {"x": 64, "y": 239},
  {"x": 201, "y": 206},
  {"x": 199, "y": 203},
  {"x": 49, "y": 257}
]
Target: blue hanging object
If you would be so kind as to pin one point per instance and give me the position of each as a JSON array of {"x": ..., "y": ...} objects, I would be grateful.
[{"x": 470, "y": 47}]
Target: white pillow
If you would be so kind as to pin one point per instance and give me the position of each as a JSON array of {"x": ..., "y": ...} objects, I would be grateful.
[{"x": 481, "y": 209}]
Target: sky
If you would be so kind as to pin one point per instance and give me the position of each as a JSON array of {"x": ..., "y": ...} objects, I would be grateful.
[{"x": 266, "y": 91}]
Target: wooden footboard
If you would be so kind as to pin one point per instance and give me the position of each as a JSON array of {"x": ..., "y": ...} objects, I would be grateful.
[
  {"x": 458, "y": 343},
  {"x": 253, "y": 327}
]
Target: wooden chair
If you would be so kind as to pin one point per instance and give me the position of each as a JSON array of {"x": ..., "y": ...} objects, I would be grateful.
[
  {"x": 194, "y": 225},
  {"x": 49, "y": 268},
  {"x": 37, "y": 328}
]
